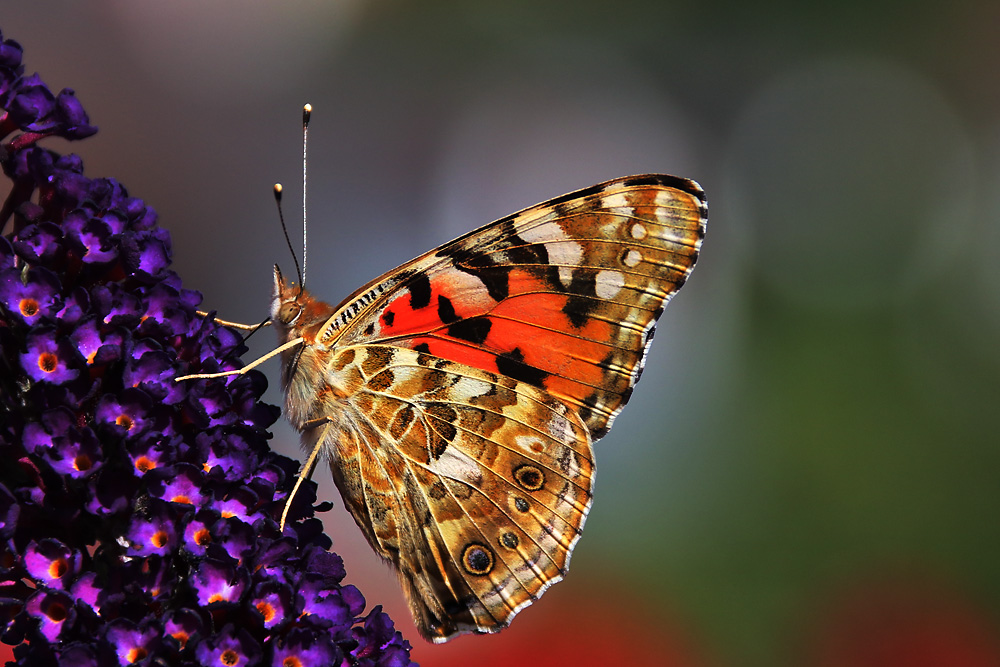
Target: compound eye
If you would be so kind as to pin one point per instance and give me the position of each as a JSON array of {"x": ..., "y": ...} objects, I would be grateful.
[{"x": 289, "y": 312}]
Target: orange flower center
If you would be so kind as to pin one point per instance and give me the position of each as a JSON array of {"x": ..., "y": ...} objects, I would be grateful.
[
  {"x": 28, "y": 307},
  {"x": 143, "y": 464},
  {"x": 58, "y": 567},
  {"x": 57, "y": 612},
  {"x": 229, "y": 658},
  {"x": 134, "y": 655},
  {"x": 266, "y": 609},
  {"x": 48, "y": 362}
]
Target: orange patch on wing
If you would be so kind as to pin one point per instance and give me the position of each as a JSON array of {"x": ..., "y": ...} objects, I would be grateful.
[
  {"x": 530, "y": 320},
  {"x": 399, "y": 319},
  {"x": 556, "y": 346}
]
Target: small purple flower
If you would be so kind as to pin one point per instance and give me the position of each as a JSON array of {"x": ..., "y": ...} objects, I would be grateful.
[
  {"x": 181, "y": 483},
  {"x": 155, "y": 534},
  {"x": 229, "y": 648},
  {"x": 147, "y": 453},
  {"x": 33, "y": 106},
  {"x": 52, "y": 609},
  {"x": 130, "y": 414},
  {"x": 95, "y": 346},
  {"x": 41, "y": 243},
  {"x": 216, "y": 582},
  {"x": 50, "y": 358},
  {"x": 133, "y": 644},
  {"x": 34, "y": 299},
  {"x": 273, "y": 601},
  {"x": 51, "y": 563},
  {"x": 198, "y": 532},
  {"x": 183, "y": 626},
  {"x": 147, "y": 253},
  {"x": 92, "y": 239}
]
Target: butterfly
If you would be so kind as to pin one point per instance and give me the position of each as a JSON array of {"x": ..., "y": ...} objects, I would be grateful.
[{"x": 457, "y": 397}]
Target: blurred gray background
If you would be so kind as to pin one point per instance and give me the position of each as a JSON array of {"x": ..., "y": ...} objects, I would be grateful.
[{"x": 822, "y": 488}]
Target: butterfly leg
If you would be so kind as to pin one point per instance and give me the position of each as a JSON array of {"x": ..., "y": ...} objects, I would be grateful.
[
  {"x": 235, "y": 325},
  {"x": 307, "y": 468},
  {"x": 253, "y": 364}
]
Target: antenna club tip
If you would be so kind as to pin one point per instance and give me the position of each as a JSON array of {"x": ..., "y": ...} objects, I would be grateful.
[
  {"x": 277, "y": 190},
  {"x": 306, "y": 112}
]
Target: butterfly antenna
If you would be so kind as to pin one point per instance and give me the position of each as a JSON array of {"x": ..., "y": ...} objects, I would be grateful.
[
  {"x": 284, "y": 229},
  {"x": 306, "y": 113}
]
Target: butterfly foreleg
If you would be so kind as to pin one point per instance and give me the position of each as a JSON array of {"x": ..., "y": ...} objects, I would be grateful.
[
  {"x": 235, "y": 325},
  {"x": 253, "y": 364}
]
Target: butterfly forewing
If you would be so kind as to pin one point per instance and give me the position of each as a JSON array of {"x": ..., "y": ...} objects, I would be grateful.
[
  {"x": 581, "y": 278},
  {"x": 457, "y": 397}
]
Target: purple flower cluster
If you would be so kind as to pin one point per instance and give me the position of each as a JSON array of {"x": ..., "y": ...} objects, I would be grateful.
[{"x": 138, "y": 514}]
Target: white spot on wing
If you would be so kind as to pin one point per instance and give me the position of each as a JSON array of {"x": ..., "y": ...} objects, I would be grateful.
[
  {"x": 632, "y": 258},
  {"x": 566, "y": 275},
  {"x": 638, "y": 231},
  {"x": 456, "y": 464},
  {"x": 471, "y": 388},
  {"x": 529, "y": 443},
  {"x": 663, "y": 200},
  {"x": 608, "y": 284},
  {"x": 564, "y": 252},
  {"x": 618, "y": 200}
]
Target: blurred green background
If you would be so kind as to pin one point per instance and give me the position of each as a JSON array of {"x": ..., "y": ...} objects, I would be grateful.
[{"x": 808, "y": 472}]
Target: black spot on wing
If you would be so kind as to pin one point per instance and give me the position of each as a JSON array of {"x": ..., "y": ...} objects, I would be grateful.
[
  {"x": 512, "y": 365},
  {"x": 420, "y": 292},
  {"x": 446, "y": 311},
  {"x": 475, "y": 330},
  {"x": 388, "y": 317},
  {"x": 422, "y": 347},
  {"x": 583, "y": 299}
]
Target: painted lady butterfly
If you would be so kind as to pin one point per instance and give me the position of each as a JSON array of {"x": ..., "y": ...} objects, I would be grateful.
[{"x": 457, "y": 397}]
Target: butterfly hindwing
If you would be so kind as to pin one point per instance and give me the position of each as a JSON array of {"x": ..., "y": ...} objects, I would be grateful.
[{"x": 475, "y": 486}]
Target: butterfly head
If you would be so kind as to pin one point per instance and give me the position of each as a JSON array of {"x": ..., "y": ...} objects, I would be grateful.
[
  {"x": 286, "y": 308},
  {"x": 294, "y": 312}
]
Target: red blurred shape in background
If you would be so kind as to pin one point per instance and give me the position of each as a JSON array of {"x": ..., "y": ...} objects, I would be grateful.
[
  {"x": 904, "y": 622},
  {"x": 603, "y": 628}
]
